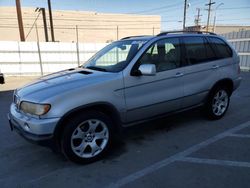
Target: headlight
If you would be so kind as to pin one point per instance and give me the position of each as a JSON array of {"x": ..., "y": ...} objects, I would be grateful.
[{"x": 34, "y": 109}]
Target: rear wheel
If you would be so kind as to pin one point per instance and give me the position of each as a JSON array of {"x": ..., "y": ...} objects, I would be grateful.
[
  {"x": 86, "y": 138},
  {"x": 218, "y": 102}
]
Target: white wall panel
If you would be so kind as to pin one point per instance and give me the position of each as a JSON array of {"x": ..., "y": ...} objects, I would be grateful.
[{"x": 22, "y": 58}]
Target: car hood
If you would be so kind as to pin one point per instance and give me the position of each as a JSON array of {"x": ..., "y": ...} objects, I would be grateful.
[{"x": 59, "y": 82}]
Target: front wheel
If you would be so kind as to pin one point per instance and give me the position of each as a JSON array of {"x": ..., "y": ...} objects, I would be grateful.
[
  {"x": 218, "y": 102},
  {"x": 87, "y": 137}
]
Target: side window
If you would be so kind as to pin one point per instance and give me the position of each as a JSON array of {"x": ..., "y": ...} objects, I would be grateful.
[
  {"x": 211, "y": 56},
  {"x": 165, "y": 54},
  {"x": 198, "y": 50},
  {"x": 168, "y": 47},
  {"x": 221, "y": 48}
]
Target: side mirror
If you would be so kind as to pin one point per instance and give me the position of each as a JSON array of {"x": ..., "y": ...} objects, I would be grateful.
[{"x": 147, "y": 69}]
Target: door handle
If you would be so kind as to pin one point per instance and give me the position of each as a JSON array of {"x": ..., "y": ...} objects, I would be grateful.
[
  {"x": 215, "y": 66},
  {"x": 178, "y": 74}
]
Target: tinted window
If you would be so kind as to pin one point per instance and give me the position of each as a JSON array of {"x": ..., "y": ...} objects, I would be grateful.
[
  {"x": 198, "y": 50},
  {"x": 211, "y": 56},
  {"x": 165, "y": 54},
  {"x": 221, "y": 48}
]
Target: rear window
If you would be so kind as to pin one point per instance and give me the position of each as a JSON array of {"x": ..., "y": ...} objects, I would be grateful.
[{"x": 222, "y": 50}]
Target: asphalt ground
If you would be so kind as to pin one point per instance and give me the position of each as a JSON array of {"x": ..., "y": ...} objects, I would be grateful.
[{"x": 184, "y": 150}]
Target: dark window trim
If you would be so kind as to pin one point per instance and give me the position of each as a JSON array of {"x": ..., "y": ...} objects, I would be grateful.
[
  {"x": 211, "y": 46},
  {"x": 185, "y": 50},
  {"x": 212, "y": 49},
  {"x": 215, "y": 47},
  {"x": 183, "y": 53}
]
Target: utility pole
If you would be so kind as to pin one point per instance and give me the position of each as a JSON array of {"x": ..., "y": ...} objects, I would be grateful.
[
  {"x": 209, "y": 10},
  {"x": 117, "y": 32},
  {"x": 77, "y": 46},
  {"x": 51, "y": 22},
  {"x": 39, "y": 50},
  {"x": 20, "y": 20},
  {"x": 185, "y": 11},
  {"x": 215, "y": 15},
  {"x": 197, "y": 17},
  {"x": 44, "y": 23}
]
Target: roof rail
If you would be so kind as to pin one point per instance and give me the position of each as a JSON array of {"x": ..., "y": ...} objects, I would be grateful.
[
  {"x": 135, "y": 36},
  {"x": 181, "y": 31}
]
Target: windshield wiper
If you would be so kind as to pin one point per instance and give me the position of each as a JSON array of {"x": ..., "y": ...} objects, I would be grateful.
[{"x": 96, "y": 68}]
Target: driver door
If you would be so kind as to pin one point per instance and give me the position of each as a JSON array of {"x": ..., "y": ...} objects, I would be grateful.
[{"x": 149, "y": 96}]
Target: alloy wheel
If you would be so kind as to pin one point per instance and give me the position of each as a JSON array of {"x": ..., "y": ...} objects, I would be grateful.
[
  {"x": 89, "y": 138},
  {"x": 220, "y": 102}
]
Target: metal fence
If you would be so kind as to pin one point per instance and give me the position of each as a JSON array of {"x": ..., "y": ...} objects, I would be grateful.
[{"x": 241, "y": 43}]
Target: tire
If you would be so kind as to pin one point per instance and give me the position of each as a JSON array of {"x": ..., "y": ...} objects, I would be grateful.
[
  {"x": 217, "y": 103},
  {"x": 87, "y": 137}
]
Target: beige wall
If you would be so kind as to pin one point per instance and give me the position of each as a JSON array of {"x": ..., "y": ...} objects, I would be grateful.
[
  {"x": 93, "y": 27},
  {"x": 226, "y": 29},
  {"x": 219, "y": 29}
]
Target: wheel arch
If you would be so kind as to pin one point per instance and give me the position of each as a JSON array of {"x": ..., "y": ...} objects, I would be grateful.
[
  {"x": 226, "y": 82},
  {"x": 103, "y": 107}
]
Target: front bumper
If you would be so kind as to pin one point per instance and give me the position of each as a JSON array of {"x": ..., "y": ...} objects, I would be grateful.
[{"x": 38, "y": 131}]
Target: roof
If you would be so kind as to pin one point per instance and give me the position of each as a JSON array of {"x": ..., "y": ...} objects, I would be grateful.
[
  {"x": 169, "y": 33},
  {"x": 142, "y": 37}
]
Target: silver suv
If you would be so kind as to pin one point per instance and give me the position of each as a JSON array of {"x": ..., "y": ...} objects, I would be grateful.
[{"x": 135, "y": 79}]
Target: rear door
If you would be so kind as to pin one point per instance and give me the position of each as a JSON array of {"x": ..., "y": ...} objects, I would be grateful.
[
  {"x": 201, "y": 71},
  {"x": 227, "y": 65}
]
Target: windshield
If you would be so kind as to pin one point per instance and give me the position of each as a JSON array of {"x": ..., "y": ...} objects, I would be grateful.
[{"x": 115, "y": 57}]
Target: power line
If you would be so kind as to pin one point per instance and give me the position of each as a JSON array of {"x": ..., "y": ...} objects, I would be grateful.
[
  {"x": 232, "y": 8},
  {"x": 157, "y": 8},
  {"x": 33, "y": 25},
  {"x": 174, "y": 10},
  {"x": 75, "y": 19}
]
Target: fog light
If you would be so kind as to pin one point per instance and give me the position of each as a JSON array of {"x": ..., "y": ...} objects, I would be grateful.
[{"x": 26, "y": 126}]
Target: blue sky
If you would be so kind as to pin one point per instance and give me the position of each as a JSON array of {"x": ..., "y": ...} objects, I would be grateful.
[{"x": 231, "y": 12}]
